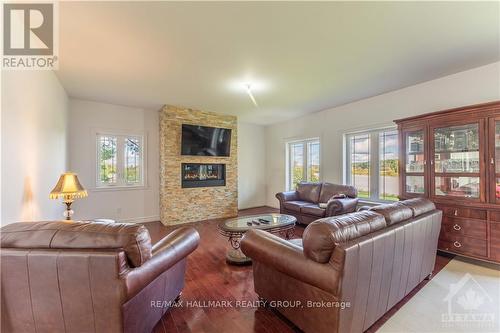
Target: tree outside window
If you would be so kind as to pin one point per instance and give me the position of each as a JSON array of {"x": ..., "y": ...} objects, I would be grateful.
[
  {"x": 120, "y": 160},
  {"x": 303, "y": 162},
  {"x": 371, "y": 163}
]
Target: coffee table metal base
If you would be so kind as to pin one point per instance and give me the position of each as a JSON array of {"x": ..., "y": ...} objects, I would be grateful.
[{"x": 235, "y": 256}]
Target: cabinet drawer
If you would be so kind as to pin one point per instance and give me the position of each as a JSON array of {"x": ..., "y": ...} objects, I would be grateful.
[
  {"x": 495, "y": 241},
  {"x": 495, "y": 215},
  {"x": 460, "y": 226},
  {"x": 479, "y": 214},
  {"x": 464, "y": 245}
]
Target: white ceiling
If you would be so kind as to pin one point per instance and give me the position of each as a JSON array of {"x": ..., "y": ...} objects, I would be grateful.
[{"x": 301, "y": 57}]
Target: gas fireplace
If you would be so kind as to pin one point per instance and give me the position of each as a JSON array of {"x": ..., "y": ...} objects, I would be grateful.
[{"x": 203, "y": 175}]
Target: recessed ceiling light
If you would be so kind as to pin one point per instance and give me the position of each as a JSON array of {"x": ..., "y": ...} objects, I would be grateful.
[
  {"x": 250, "y": 86},
  {"x": 249, "y": 92}
]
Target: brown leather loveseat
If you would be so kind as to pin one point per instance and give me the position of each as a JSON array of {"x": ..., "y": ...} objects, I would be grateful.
[
  {"x": 89, "y": 276},
  {"x": 304, "y": 203},
  {"x": 347, "y": 271}
]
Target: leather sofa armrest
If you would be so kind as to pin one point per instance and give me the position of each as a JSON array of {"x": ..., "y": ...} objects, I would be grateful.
[
  {"x": 289, "y": 259},
  {"x": 341, "y": 206},
  {"x": 166, "y": 253},
  {"x": 287, "y": 196},
  {"x": 182, "y": 239}
]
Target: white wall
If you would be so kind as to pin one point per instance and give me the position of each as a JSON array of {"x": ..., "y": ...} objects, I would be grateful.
[
  {"x": 143, "y": 205},
  {"x": 130, "y": 205},
  {"x": 474, "y": 86},
  {"x": 34, "y": 119},
  {"x": 251, "y": 166}
]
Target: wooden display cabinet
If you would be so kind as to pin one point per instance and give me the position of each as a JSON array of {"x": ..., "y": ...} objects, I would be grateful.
[{"x": 453, "y": 158}]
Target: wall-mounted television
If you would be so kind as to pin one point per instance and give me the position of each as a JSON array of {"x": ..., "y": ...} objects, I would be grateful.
[{"x": 205, "y": 141}]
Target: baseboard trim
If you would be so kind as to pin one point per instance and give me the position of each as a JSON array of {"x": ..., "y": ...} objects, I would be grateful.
[
  {"x": 144, "y": 219},
  {"x": 261, "y": 206},
  {"x": 156, "y": 218}
]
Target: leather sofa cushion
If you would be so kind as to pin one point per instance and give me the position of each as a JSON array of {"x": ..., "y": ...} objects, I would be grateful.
[
  {"x": 419, "y": 206},
  {"x": 309, "y": 191},
  {"x": 321, "y": 236},
  {"x": 393, "y": 213},
  {"x": 295, "y": 205},
  {"x": 328, "y": 190},
  {"x": 313, "y": 210},
  {"x": 134, "y": 239}
]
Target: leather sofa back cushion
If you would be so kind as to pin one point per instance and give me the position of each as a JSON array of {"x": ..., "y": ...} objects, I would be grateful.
[
  {"x": 309, "y": 191},
  {"x": 329, "y": 190},
  {"x": 132, "y": 238},
  {"x": 419, "y": 206},
  {"x": 393, "y": 213},
  {"x": 321, "y": 237}
]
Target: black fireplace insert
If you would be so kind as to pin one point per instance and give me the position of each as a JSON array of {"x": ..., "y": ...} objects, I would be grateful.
[{"x": 203, "y": 175}]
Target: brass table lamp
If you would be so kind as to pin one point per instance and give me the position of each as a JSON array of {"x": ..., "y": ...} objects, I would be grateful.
[{"x": 68, "y": 188}]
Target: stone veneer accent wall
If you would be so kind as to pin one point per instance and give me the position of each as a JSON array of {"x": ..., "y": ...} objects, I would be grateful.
[{"x": 182, "y": 205}]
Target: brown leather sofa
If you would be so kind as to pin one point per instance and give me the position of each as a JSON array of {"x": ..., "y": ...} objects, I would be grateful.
[
  {"x": 89, "y": 276},
  {"x": 304, "y": 202},
  {"x": 347, "y": 271}
]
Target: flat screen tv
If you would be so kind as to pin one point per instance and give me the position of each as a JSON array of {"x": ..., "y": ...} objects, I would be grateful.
[{"x": 205, "y": 141}]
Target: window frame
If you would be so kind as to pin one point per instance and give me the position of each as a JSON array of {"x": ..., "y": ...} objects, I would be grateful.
[
  {"x": 306, "y": 142},
  {"x": 121, "y": 183},
  {"x": 375, "y": 187}
]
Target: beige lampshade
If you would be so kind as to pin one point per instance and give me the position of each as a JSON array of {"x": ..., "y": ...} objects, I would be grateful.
[{"x": 68, "y": 187}]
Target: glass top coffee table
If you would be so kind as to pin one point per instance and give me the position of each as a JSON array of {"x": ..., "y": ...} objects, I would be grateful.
[{"x": 278, "y": 224}]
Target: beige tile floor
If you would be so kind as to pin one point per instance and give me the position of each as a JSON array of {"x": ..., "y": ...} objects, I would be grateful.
[{"x": 463, "y": 297}]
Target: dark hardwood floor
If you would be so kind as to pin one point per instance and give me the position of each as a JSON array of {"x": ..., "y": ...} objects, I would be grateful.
[{"x": 209, "y": 278}]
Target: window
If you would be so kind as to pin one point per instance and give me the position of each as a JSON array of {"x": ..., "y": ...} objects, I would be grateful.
[
  {"x": 120, "y": 160},
  {"x": 371, "y": 164},
  {"x": 303, "y": 162}
]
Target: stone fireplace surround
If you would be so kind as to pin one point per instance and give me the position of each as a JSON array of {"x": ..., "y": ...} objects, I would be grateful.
[{"x": 183, "y": 205}]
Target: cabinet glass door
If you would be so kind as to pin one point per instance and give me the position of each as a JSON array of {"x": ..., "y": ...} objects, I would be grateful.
[
  {"x": 494, "y": 160},
  {"x": 456, "y": 161},
  {"x": 415, "y": 164}
]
